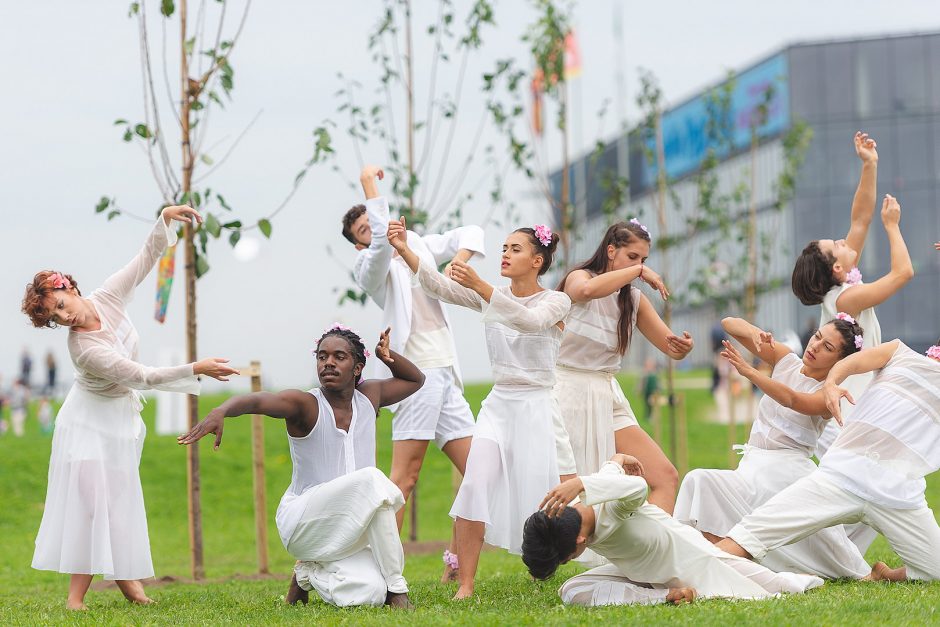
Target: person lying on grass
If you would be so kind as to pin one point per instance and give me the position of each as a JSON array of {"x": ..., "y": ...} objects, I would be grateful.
[
  {"x": 337, "y": 518},
  {"x": 873, "y": 473},
  {"x": 653, "y": 557}
]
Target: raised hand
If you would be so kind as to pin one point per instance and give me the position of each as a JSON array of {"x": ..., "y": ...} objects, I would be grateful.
[
  {"x": 213, "y": 423},
  {"x": 655, "y": 281},
  {"x": 680, "y": 345},
  {"x": 382, "y": 349},
  {"x": 558, "y": 498},
  {"x": 936, "y": 246},
  {"x": 834, "y": 395},
  {"x": 372, "y": 171},
  {"x": 735, "y": 358},
  {"x": 398, "y": 234},
  {"x": 764, "y": 337},
  {"x": 214, "y": 367},
  {"x": 180, "y": 213},
  {"x": 890, "y": 211},
  {"x": 866, "y": 147},
  {"x": 630, "y": 464}
]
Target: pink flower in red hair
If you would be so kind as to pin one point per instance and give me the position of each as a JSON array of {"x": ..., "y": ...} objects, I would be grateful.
[
  {"x": 543, "y": 234},
  {"x": 934, "y": 352},
  {"x": 59, "y": 282}
]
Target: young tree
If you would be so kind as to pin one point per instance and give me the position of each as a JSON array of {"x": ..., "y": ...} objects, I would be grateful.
[{"x": 205, "y": 80}]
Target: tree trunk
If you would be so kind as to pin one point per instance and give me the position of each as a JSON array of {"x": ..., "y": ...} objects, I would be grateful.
[
  {"x": 192, "y": 452},
  {"x": 565, "y": 207}
]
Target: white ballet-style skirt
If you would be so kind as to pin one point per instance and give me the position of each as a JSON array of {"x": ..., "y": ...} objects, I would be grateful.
[
  {"x": 94, "y": 520},
  {"x": 714, "y": 501},
  {"x": 512, "y": 463}
]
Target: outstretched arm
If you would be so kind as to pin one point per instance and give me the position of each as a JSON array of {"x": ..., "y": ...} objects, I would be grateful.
[
  {"x": 289, "y": 405},
  {"x": 858, "y": 298},
  {"x": 760, "y": 343},
  {"x": 582, "y": 287},
  {"x": 812, "y": 404},
  {"x": 861, "y": 362},
  {"x": 406, "y": 377},
  {"x": 659, "y": 335},
  {"x": 863, "y": 205},
  {"x": 163, "y": 235},
  {"x": 372, "y": 264}
]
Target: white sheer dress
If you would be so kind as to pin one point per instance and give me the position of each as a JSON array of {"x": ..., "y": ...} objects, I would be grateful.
[{"x": 94, "y": 520}]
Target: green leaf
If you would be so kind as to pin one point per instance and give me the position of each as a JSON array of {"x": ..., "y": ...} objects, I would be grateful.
[
  {"x": 167, "y": 8},
  {"x": 202, "y": 266},
  {"x": 190, "y": 44},
  {"x": 234, "y": 224},
  {"x": 234, "y": 237},
  {"x": 128, "y": 135},
  {"x": 214, "y": 97},
  {"x": 195, "y": 105},
  {"x": 102, "y": 204},
  {"x": 119, "y": 121},
  {"x": 206, "y": 159},
  {"x": 213, "y": 226},
  {"x": 197, "y": 199},
  {"x": 134, "y": 9},
  {"x": 143, "y": 131},
  {"x": 265, "y": 225},
  {"x": 184, "y": 198},
  {"x": 113, "y": 214},
  {"x": 222, "y": 202}
]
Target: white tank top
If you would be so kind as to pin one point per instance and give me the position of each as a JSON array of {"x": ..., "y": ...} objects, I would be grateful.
[
  {"x": 326, "y": 453},
  {"x": 777, "y": 427},
  {"x": 590, "y": 340}
]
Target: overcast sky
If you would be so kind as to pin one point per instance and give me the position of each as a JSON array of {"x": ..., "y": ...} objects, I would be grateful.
[{"x": 70, "y": 69}]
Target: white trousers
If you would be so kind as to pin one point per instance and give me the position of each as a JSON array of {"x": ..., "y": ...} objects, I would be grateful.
[
  {"x": 815, "y": 503},
  {"x": 606, "y": 585},
  {"x": 350, "y": 556}
]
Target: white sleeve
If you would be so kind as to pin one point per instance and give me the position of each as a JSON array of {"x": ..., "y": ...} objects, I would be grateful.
[
  {"x": 445, "y": 245},
  {"x": 121, "y": 284},
  {"x": 545, "y": 314},
  {"x": 372, "y": 264},
  {"x": 108, "y": 364},
  {"x": 610, "y": 483},
  {"x": 447, "y": 290}
]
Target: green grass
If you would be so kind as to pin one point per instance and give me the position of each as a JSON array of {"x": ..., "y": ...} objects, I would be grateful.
[{"x": 505, "y": 595}]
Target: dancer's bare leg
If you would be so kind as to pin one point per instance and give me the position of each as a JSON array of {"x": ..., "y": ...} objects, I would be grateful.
[
  {"x": 407, "y": 458},
  {"x": 133, "y": 591},
  {"x": 78, "y": 586},
  {"x": 730, "y": 546},
  {"x": 469, "y": 544},
  {"x": 457, "y": 451},
  {"x": 660, "y": 474},
  {"x": 712, "y": 537},
  {"x": 882, "y": 572}
]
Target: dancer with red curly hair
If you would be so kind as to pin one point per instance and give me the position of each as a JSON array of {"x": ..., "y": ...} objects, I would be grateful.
[{"x": 94, "y": 520}]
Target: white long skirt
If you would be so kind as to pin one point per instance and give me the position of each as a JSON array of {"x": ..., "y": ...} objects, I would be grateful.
[
  {"x": 714, "y": 501},
  {"x": 593, "y": 407},
  {"x": 512, "y": 463},
  {"x": 94, "y": 520}
]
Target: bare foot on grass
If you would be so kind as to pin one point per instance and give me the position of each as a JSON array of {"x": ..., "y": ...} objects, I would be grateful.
[
  {"x": 678, "y": 596},
  {"x": 463, "y": 592},
  {"x": 882, "y": 572},
  {"x": 76, "y": 606}
]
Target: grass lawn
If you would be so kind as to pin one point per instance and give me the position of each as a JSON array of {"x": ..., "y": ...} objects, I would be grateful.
[{"x": 505, "y": 594}]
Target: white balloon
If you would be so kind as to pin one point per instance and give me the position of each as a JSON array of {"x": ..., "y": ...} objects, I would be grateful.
[{"x": 247, "y": 249}]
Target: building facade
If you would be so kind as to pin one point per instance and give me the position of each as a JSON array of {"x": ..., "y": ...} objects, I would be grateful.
[{"x": 888, "y": 86}]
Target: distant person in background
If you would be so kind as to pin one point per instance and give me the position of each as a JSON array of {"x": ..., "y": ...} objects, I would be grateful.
[
  {"x": 649, "y": 385},
  {"x": 718, "y": 336},
  {"x": 50, "y": 374},
  {"x": 26, "y": 366},
  {"x": 4, "y": 425},
  {"x": 19, "y": 399},
  {"x": 44, "y": 415}
]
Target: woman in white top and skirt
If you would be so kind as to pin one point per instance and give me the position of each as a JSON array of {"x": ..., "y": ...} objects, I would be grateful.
[
  {"x": 94, "y": 520},
  {"x": 779, "y": 450},
  {"x": 605, "y": 309},
  {"x": 512, "y": 461}
]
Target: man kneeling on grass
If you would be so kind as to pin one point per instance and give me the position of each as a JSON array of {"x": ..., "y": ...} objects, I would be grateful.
[
  {"x": 653, "y": 557},
  {"x": 337, "y": 518}
]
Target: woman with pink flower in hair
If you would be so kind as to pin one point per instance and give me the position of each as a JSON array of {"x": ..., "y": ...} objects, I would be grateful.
[
  {"x": 512, "y": 461},
  {"x": 606, "y": 309},
  {"x": 94, "y": 521},
  {"x": 790, "y": 417}
]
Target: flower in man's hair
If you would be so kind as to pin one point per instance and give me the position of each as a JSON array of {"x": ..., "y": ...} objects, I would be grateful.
[
  {"x": 846, "y": 317},
  {"x": 859, "y": 342},
  {"x": 543, "y": 234},
  {"x": 59, "y": 282},
  {"x": 934, "y": 352},
  {"x": 854, "y": 277}
]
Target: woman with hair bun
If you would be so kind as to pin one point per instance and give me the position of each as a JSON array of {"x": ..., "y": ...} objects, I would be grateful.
[
  {"x": 512, "y": 461},
  {"x": 94, "y": 521},
  {"x": 790, "y": 418}
]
